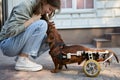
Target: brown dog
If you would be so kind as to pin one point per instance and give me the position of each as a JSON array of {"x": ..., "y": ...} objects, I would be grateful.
[{"x": 59, "y": 51}]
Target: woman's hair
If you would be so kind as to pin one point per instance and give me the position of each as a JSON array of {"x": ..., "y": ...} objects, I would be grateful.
[{"x": 39, "y": 6}]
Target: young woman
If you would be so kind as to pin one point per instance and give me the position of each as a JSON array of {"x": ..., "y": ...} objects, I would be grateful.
[{"x": 24, "y": 32}]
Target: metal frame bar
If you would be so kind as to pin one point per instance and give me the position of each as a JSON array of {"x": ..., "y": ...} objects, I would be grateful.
[{"x": 4, "y": 11}]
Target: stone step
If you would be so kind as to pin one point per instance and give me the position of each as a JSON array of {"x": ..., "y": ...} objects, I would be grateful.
[
  {"x": 110, "y": 40},
  {"x": 110, "y": 36},
  {"x": 101, "y": 42},
  {"x": 100, "y": 39},
  {"x": 115, "y": 38},
  {"x": 112, "y": 33},
  {"x": 117, "y": 30}
]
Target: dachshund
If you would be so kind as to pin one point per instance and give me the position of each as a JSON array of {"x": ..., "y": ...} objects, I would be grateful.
[{"x": 59, "y": 51}]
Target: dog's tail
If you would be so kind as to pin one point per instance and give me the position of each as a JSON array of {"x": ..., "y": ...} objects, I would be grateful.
[{"x": 110, "y": 51}]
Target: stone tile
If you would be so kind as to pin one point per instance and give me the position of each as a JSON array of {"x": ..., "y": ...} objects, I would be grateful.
[{"x": 74, "y": 71}]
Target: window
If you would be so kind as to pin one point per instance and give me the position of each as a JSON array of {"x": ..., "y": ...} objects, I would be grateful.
[
  {"x": 84, "y": 4},
  {"x": 66, "y": 3},
  {"x": 76, "y": 5}
]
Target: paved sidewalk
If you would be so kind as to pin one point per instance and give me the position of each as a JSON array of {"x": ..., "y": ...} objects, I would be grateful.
[{"x": 74, "y": 71}]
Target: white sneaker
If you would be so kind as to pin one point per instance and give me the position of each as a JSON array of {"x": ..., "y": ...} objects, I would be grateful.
[{"x": 24, "y": 64}]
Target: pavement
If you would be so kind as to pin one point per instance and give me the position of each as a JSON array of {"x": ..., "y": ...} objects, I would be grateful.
[{"x": 74, "y": 71}]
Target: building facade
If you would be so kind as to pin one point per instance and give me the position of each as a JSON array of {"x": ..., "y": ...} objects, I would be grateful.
[
  {"x": 79, "y": 21},
  {"x": 103, "y": 13}
]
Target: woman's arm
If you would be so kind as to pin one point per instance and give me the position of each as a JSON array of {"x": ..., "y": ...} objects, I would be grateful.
[
  {"x": 31, "y": 20},
  {"x": 19, "y": 20}
]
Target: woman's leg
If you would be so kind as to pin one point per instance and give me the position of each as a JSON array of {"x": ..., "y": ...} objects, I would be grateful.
[{"x": 28, "y": 42}]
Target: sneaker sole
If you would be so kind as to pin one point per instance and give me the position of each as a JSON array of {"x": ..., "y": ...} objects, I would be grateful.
[{"x": 28, "y": 68}]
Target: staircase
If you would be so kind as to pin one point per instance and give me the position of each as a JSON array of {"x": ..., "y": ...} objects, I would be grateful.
[{"x": 109, "y": 40}]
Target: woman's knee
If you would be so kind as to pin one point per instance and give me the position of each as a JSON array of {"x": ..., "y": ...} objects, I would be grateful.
[
  {"x": 42, "y": 24},
  {"x": 10, "y": 53}
]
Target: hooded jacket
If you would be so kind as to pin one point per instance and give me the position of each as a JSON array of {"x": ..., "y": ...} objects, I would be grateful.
[{"x": 19, "y": 14}]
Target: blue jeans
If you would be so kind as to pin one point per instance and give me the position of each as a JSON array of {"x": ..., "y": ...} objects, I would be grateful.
[{"x": 31, "y": 42}]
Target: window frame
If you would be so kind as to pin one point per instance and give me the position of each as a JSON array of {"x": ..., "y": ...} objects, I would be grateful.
[{"x": 74, "y": 10}]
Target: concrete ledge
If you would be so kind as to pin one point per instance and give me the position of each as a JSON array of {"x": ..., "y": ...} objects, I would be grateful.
[
  {"x": 100, "y": 40},
  {"x": 112, "y": 33}
]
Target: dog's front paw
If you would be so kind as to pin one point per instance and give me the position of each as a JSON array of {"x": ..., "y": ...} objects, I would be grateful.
[{"x": 54, "y": 71}]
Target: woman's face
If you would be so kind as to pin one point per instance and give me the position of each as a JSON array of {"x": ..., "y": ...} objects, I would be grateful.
[{"x": 48, "y": 9}]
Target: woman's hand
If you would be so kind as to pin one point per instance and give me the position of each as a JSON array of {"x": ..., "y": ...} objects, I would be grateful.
[
  {"x": 36, "y": 17},
  {"x": 32, "y": 19}
]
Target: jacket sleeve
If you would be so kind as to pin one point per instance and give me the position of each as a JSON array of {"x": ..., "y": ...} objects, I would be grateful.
[{"x": 15, "y": 23}]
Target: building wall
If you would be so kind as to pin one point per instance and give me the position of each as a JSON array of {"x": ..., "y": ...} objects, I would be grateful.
[
  {"x": 83, "y": 35},
  {"x": 105, "y": 14},
  {"x": 84, "y": 25}
]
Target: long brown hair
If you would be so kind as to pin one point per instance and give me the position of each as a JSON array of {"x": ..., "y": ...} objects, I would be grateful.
[{"x": 39, "y": 6}]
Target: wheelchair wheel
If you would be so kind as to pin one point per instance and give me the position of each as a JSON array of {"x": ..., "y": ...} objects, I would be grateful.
[{"x": 91, "y": 68}]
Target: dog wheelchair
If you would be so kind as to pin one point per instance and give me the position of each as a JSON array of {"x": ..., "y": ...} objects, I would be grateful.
[{"x": 93, "y": 59}]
